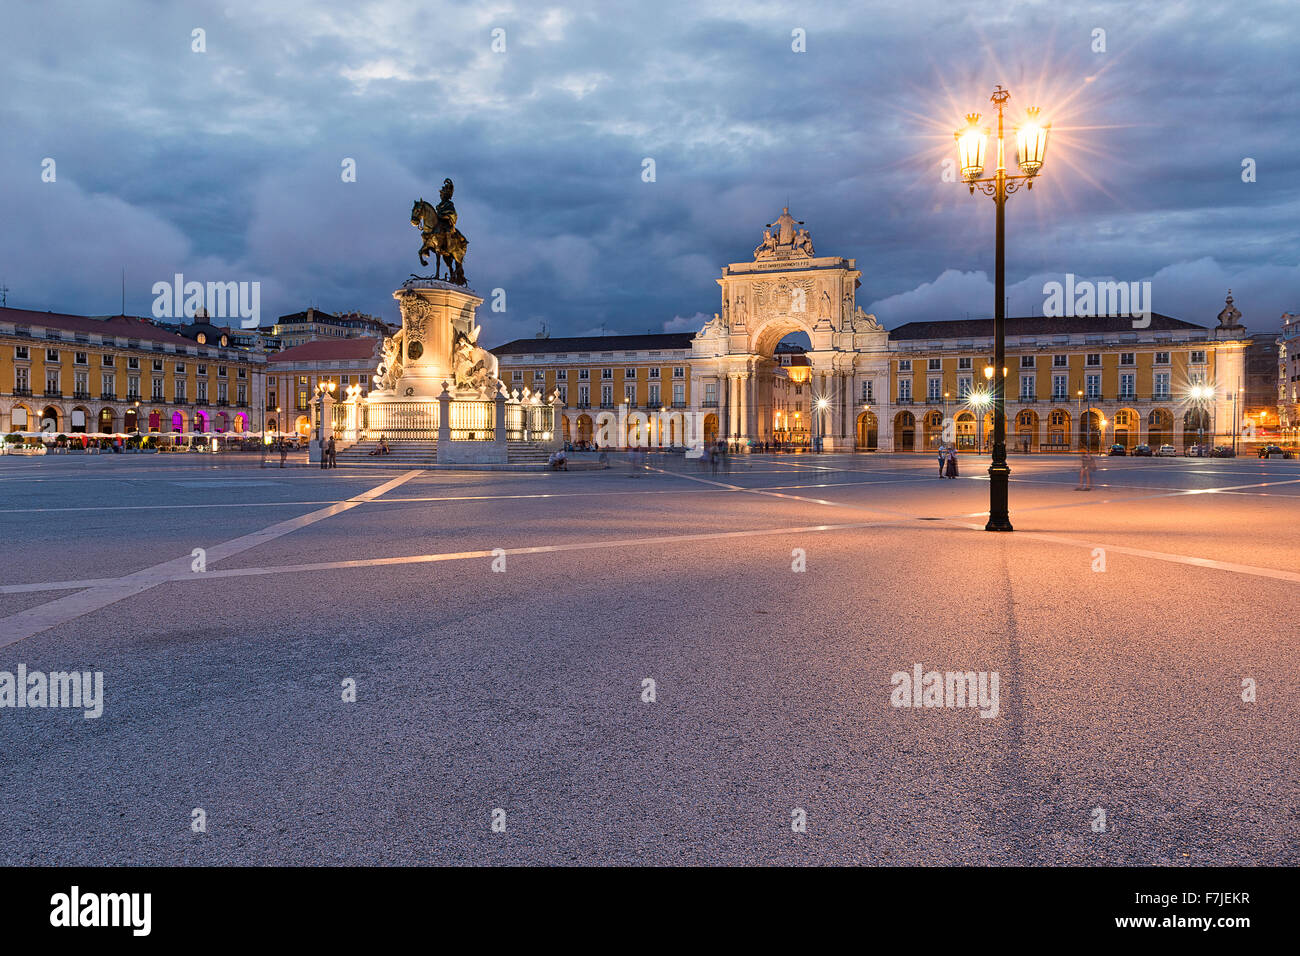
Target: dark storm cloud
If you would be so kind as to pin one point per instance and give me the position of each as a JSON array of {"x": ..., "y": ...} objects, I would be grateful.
[{"x": 225, "y": 164}]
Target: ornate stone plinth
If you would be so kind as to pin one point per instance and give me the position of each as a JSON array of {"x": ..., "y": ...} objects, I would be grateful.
[{"x": 437, "y": 344}]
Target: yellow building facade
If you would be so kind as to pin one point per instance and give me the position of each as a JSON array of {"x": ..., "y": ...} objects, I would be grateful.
[
  {"x": 1105, "y": 383},
  {"x": 643, "y": 379},
  {"x": 67, "y": 374}
]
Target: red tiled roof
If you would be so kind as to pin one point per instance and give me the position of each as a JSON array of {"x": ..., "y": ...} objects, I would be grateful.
[
  {"x": 324, "y": 350},
  {"x": 125, "y": 326}
]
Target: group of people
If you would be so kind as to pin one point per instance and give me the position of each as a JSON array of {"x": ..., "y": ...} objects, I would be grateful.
[
  {"x": 638, "y": 460},
  {"x": 718, "y": 457},
  {"x": 380, "y": 449},
  {"x": 329, "y": 454},
  {"x": 559, "y": 461},
  {"x": 947, "y": 461}
]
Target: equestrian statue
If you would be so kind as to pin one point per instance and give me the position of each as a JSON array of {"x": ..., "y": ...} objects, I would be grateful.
[{"x": 437, "y": 225}]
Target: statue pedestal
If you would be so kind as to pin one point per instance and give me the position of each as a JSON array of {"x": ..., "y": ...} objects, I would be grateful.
[{"x": 432, "y": 312}]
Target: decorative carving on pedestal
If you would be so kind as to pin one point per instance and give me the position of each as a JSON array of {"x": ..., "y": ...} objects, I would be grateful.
[
  {"x": 472, "y": 366},
  {"x": 390, "y": 362},
  {"x": 417, "y": 313}
]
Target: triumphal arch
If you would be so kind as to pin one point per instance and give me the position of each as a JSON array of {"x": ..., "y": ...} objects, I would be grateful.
[{"x": 788, "y": 288}]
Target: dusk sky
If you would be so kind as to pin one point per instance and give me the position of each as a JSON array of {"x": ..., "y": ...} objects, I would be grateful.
[{"x": 225, "y": 165}]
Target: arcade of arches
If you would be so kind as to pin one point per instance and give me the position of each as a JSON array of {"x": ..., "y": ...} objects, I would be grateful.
[
  {"x": 854, "y": 386},
  {"x": 868, "y": 389}
]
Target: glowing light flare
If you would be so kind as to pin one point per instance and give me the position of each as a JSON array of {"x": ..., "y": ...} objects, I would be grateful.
[
  {"x": 1031, "y": 142},
  {"x": 972, "y": 144}
]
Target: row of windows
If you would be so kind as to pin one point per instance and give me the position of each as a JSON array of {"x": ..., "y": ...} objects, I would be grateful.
[
  {"x": 654, "y": 395},
  {"x": 108, "y": 386},
  {"x": 304, "y": 392},
  {"x": 1028, "y": 387},
  {"x": 1093, "y": 359},
  {"x": 584, "y": 374},
  {"x": 107, "y": 360}
]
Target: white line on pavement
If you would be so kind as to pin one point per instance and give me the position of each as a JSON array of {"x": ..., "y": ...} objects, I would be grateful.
[
  {"x": 24, "y": 624},
  {"x": 1189, "y": 560},
  {"x": 185, "y": 576}
]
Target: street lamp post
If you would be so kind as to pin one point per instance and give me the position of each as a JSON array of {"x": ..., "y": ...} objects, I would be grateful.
[
  {"x": 1031, "y": 143},
  {"x": 822, "y": 405},
  {"x": 1079, "y": 413},
  {"x": 322, "y": 388}
]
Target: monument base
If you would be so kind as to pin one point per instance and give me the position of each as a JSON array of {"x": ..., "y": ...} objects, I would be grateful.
[{"x": 436, "y": 387}]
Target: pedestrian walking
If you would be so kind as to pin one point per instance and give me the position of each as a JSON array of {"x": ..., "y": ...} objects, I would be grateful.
[
  {"x": 284, "y": 451},
  {"x": 333, "y": 454},
  {"x": 1086, "y": 467},
  {"x": 943, "y": 459},
  {"x": 952, "y": 463}
]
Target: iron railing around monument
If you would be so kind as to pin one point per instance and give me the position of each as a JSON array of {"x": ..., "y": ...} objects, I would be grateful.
[
  {"x": 529, "y": 422},
  {"x": 472, "y": 421},
  {"x": 399, "y": 421},
  {"x": 418, "y": 421}
]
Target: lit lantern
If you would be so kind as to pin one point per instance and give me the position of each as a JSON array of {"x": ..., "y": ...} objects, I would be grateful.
[
  {"x": 1031, "y": 142},
  {"x": 971, "y": 143}
]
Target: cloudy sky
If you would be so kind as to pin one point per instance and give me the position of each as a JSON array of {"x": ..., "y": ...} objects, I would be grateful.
[{"x": 226, "y": 164}]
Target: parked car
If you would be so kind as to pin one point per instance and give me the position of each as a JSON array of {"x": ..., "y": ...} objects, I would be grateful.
[
  {"x": 1273, "y": 451},
  {"x": 1142, "y": 451},
  {"x": 1222, "y": 451},
  {"x": 1117, "y": 449},
  {"x": 1195, "y": 451},
  {"x": 1167, "y": 451}
]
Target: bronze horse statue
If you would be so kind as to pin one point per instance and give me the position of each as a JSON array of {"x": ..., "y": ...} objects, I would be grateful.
[{"x": 437, "y": 225}]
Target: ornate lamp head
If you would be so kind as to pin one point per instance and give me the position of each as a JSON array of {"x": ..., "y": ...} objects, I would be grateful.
[
  {"x": 1031, "y": 142},
  {"x": 971, "y": 143}
]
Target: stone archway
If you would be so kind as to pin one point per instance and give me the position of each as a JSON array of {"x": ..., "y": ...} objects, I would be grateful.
[
  {"x": 965, "y": 431},
  {"x": 904, "y": 431},
  {"x": 1196, "y": 426},
  {"x": 20, "y": 418},
  {"x": 1160, "y": 428},
  {"x": 932, "y": 424},
  {"x": 1027, "y": 430},
  {"x": 1090, "y": 430},
  {"x": 79, "y": 421},
  {"x": 868, "y": 432},
  {"x": 1128, "y": 431},
  {"x": 1058, "y": 429},
  {"x": 787, "y": 287},
  {"x": 51, "y": 418}
]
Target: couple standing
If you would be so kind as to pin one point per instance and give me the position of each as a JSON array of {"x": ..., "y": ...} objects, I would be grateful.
[{"x": 947, "y": 462}]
